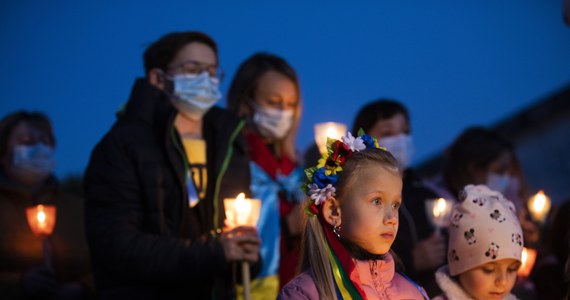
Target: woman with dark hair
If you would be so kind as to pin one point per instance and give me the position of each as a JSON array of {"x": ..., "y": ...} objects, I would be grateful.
[
  {"x": 265, "y": 91},
  {"x": 27, "y": 145}
]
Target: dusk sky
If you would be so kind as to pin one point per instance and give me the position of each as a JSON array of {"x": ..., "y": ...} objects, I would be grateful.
[{"x": 453, "y": 63}]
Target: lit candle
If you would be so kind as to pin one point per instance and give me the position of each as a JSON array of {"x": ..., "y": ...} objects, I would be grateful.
[
  {"x": 323, "y": 131},
  {"x": 539, "y": 206},
  {"x": 528, "y": 258},
  {"x": 439, "y": 207},
  {"x": 239, "y": 212},
  {"x": 41, "y": 219},
  {"x": 438, "y": 211}
]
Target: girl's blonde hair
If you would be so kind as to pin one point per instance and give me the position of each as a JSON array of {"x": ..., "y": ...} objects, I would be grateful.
[{"x": 314, "y": 256}]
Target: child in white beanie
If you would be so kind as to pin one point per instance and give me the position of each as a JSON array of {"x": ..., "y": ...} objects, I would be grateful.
[{"x": 485, "y": 246}]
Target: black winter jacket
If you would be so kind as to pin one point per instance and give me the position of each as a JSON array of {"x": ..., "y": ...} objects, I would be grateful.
[{"x": 145, "y": 242}]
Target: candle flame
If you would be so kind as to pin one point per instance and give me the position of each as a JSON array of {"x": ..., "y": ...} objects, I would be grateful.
[
  {"x": 524, "y": 256},
  {"x": 243, "y": 209},
  {"x": 331, "y": 132},
  {"x": 539, "y": 202},
  {"x": 539, "y": 205},
  {"x": 41, "y": 217}
]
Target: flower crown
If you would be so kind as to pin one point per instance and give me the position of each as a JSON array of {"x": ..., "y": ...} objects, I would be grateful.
[{"x": 322, "y": 177}]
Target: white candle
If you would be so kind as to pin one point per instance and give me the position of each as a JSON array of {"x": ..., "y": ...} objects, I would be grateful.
[{"x": 323, "y": 131}]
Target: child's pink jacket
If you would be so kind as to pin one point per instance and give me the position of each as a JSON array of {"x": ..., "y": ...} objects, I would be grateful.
[{"x": 378, "y": 277}]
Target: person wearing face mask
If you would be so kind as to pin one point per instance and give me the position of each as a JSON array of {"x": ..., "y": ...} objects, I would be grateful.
[
  {"x": 483, "y": 156},
  {"x": 419, "y": 247},
  {"x": 265, "y": 91},
  {"x": 26, "y": 179},
  {"x": 156, "y": 182}
]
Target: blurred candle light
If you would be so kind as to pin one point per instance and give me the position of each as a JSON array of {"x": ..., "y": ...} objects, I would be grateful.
[
  {"x": 528, "y": 259},
  {"x": 41, "y": 219},
  {"x": 323, "y": 131},
  {"x": 438, "y": 211},
  {"x": 242, "y": 212},
  {"x": 539, "y": 206}
]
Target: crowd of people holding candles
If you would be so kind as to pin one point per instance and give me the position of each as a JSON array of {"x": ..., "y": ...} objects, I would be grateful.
[{"x": 185, "y": 198}]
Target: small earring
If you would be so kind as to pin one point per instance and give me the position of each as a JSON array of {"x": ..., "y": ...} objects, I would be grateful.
[{"x": 336, "y": 230}]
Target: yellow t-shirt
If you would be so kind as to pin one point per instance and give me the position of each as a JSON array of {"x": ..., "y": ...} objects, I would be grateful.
[{"x": 196, "y": 153}]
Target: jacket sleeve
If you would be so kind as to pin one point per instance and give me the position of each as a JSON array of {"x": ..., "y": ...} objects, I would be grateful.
[{"x": 116, "y": 219}]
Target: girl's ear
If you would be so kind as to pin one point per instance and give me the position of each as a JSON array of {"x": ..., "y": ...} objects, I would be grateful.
[{"x": 331, "y": 211}]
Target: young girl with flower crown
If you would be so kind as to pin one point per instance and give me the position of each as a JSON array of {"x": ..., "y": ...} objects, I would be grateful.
[
  {"x": 352, "y": 220},
  {"x": 485, "y": 247}
]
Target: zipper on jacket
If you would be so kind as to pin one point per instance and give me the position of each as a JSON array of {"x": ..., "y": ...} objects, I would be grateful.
[
  {"x": 185, "y": 162},
  {"x": 223, "y": 170}
]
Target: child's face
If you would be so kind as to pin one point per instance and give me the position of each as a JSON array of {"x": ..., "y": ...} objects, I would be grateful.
[
  {"x": 370, "y": 208},
  {"x": 492, "y": 280}
]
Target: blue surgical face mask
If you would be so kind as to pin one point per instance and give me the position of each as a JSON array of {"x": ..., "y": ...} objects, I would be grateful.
[
  {"x": 499, "y": 182},
  {"x": 402, "y": 148},
  {"x": 34, "y": 162},
  {"x": 195, "y": 94},
  {"x": 273, "y": 123}
]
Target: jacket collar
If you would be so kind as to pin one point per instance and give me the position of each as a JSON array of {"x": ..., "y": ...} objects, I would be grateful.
[
  {"x": 452, "y": 289},
  {"x": 148, "y": 104}
]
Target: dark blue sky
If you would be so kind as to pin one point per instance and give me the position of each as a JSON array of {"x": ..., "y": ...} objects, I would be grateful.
[{"x": 453, "y": 63}]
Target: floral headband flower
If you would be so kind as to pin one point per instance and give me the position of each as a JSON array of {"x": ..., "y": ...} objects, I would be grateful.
[{"x": 322, "y": 178}]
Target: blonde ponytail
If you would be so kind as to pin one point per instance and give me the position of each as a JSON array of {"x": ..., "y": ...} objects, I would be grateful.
[{"x": 315, "y": 258}]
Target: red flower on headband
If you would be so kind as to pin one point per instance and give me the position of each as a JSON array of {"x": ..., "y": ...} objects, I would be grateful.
[{"x": 341, "y": 153}]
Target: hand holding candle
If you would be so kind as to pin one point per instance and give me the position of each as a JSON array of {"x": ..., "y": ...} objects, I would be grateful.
[{"x": 242, "y": 243}]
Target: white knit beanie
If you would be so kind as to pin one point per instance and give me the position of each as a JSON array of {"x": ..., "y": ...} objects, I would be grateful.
[{"x": 483, "y": 228}]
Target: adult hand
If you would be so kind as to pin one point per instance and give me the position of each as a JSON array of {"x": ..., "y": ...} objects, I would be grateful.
[
  {"x": 241, "y": 244},
  {"x": 39, "y": 282},
  {"x": 429, "y": 253}
]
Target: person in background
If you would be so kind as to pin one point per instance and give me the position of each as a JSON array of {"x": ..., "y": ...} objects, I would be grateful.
[
  {"x": 27, "y": 162},
  {"x": 419, "y": 247},
  {"x": 485, "y": 247},
  {"x": 354, "y": 194},
  {"x": 482, "y": 156},
  {"x": 551, "y": 275},
  {"x": 265, "y": 91},
  {"x": 156, "y": 182}
]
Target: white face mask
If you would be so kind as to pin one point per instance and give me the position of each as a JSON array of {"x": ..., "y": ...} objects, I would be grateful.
[
  {"x": 273, "y": 123},
  {"x": 401, "y": 146},
  {"x": 499, "y": 182},
  {"x": 33, "y": 162},
  {"x": 195, "y": 94}
]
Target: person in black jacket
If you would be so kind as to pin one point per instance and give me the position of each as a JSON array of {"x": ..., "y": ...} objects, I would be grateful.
[
  {"x": 419, "y": 247},
  {"x": 155, "y": 183}
]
